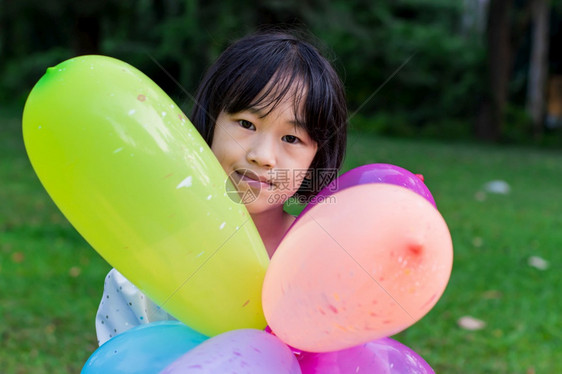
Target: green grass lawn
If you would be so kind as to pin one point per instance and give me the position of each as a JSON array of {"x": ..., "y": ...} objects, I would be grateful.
[{"x": 51, "y": 280}]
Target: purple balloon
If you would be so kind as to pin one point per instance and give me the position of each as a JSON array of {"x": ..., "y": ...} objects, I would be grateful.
[
  {"x": 238, "y": 351},
  {"x": 382, "y": 356},
  {"x": 374, "y": 173}
]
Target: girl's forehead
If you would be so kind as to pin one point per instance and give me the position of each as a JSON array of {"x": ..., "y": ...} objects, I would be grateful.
[
  {"x": 286, "y": 92},
  {"x": 284, "y": 112}
]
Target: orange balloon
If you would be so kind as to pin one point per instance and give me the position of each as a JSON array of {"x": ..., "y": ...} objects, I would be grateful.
[{"x": 366, "y": 263}]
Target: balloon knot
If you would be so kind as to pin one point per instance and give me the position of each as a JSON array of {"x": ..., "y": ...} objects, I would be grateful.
[{"x": 415, "y": 248}]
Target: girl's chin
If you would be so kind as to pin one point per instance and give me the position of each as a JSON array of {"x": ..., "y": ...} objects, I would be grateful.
[{"x": 263, "y": 205}]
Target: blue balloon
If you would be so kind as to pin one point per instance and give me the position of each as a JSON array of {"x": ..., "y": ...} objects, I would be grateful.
[{"x": 148, "y": 348}]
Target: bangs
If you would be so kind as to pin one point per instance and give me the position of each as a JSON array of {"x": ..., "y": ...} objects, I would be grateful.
[{"x": 260, "y": 90}]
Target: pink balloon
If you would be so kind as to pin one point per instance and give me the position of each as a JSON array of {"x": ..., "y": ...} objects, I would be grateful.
[
  {"x": 383, "y": 356},
  {"x": 238, "y": 351},
  {"x": 365, "y": 264}
]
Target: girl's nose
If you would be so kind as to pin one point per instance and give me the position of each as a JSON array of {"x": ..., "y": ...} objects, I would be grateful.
[{"x": 262, "y": 153}]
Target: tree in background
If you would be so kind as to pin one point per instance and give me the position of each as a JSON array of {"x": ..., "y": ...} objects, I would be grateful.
[
  {"x": 538, "y": 64},
  {"x": 490, "y": 121}
]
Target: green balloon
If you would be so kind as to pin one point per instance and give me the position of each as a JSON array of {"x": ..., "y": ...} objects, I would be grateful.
[{"x": 138, "y": 182}]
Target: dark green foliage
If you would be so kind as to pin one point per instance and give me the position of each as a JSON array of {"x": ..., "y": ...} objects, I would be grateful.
[
  {"x": 405, "y": 59},
  {"x": 412, "y": 67},
  {"x": 415, "y": 50}
]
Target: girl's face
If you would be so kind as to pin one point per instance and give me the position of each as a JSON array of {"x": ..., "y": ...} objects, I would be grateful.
[{"x": 266, "y": 157}]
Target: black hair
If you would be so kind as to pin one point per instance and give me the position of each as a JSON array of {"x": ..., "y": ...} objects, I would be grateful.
[{"x": 277, "y": 64}]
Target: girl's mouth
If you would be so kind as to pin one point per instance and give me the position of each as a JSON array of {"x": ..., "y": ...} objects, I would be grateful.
[{"x": 253, "y": 180}]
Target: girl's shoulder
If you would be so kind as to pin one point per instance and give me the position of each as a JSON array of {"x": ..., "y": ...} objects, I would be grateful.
[{"x": 124, "y": 306}]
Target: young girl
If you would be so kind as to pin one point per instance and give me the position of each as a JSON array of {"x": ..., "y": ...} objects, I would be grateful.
[{"x": 273, "y": 111}]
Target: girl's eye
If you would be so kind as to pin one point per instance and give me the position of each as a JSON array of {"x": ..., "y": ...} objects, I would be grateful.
[
  {"x": 246, "y": 124},
  {"x": 290, "y": 139}
]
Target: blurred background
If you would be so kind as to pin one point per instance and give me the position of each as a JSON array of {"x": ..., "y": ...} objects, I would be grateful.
[
  {"x": 466, "y": 92},
  {"x": 481, "y": 69}
]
